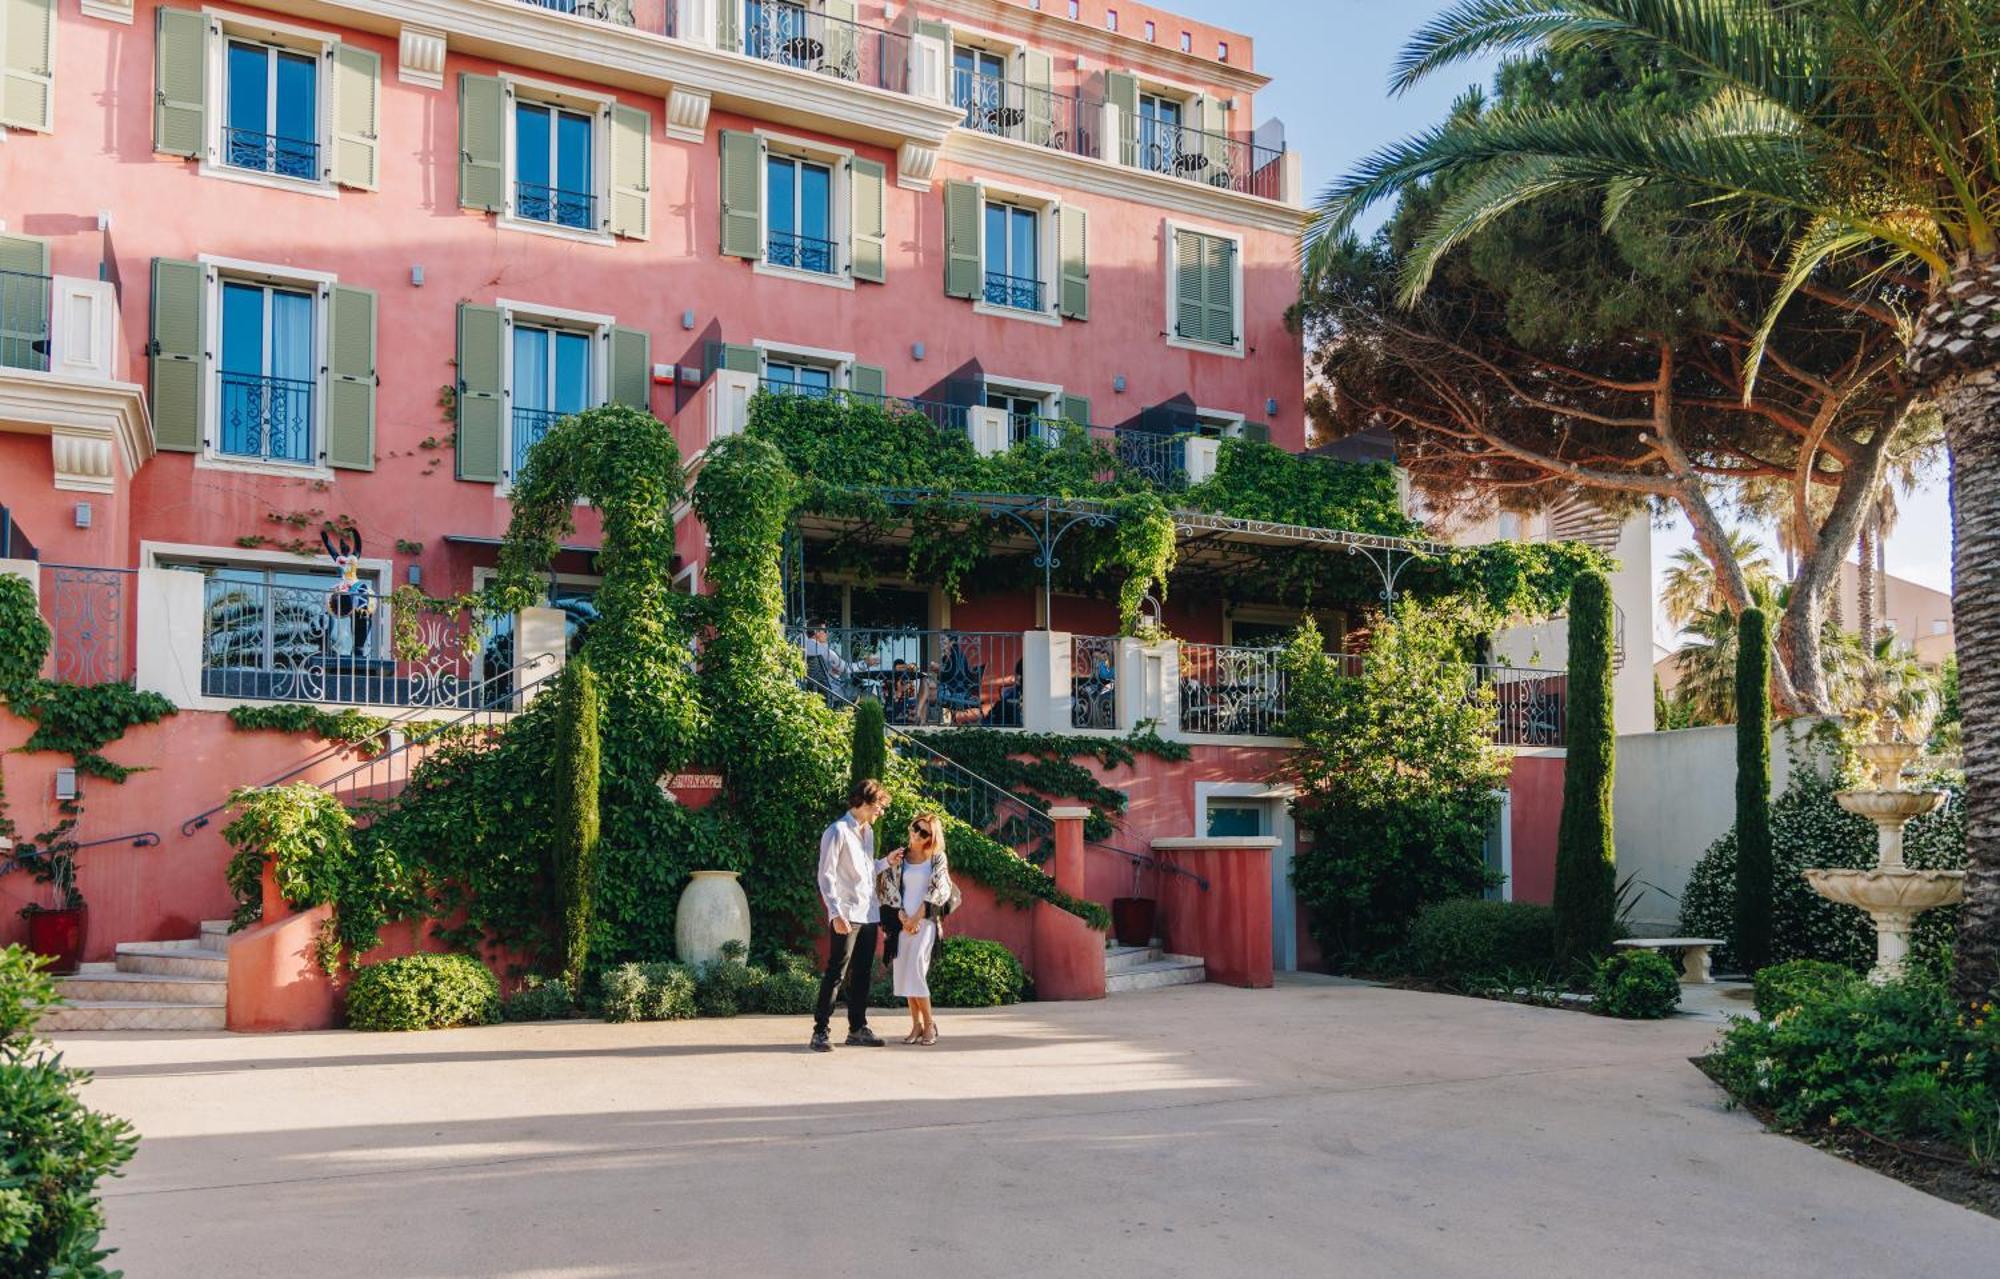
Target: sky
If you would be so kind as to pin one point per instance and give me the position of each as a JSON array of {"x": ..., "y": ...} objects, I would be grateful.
[{"x": 1329, "y": 65}]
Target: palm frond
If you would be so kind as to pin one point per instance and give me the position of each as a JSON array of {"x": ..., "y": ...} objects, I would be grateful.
[
  {"x": 1825, "y": 238},
  {"x": 1473, "y": 27}
]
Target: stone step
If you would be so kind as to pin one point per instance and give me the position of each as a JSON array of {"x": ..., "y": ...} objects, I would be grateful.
[
  {"x": 105, "y": 982},
  {"x": 171, "y": 959},
  {"x": 1118, "y": 959},
  {"x": 1172, "y": 970},
  {"x": 215, "y": 933},
  {"x": 128, "y": 1014}
]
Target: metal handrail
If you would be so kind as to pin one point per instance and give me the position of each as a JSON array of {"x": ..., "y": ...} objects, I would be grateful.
[
  {"x": 1017, "y": 292},
  {"x": 199, "y": 820},
  {"x": 439, "y": 730},
  {"x": 801, "y": 252},
  {"x": 557, "y": 206},
  {"x": 272, "y": 153}
]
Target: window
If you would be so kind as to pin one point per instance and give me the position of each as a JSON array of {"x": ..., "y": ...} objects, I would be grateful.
[
  {"x": 552, "y": 166},
  {"x": 792, "y": 377},
  {"x": 1149, "y": 29},
  {"x": 1027, "y": 415},
  {"x": 268, "y": 373},
  {"x": 1160, "y": 132},
  {"x": 979, "y": 84},
  {"x": 1204, "y": 286},
  {"x": 1111, "y": 19},
  {"x": 271, "y": 122},
  {"x": 552, "y": 379},
  {"x": 1013, "y": 257},
  {"x": 268, "y": 632},
  {"x": 1222, "y": 50},
  {"x": 1187, "y": 42},
  {"x": 1073, "y": 7},
  {"x": 800, "y": 220}
]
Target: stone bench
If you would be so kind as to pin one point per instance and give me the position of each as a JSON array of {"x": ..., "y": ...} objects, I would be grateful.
[{"x": 1694, "y": 954}]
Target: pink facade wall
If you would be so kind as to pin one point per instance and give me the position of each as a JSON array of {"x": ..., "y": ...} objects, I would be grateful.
[{"x": 1537, "y": 789}]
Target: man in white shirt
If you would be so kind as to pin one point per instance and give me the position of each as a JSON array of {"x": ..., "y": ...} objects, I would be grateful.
[
  {"x": 847, "y": 870},
  {"x": 815, "y": 645}
]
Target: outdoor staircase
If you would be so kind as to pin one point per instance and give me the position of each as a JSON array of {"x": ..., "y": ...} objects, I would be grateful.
[
  {"x": 152, "y": 985},
  {"x": 1130, "y": 968}
]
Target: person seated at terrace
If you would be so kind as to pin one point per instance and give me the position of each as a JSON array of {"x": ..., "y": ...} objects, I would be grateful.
[
  {"x": 906, "y": 695},
  {"x": 823, "y": 664}
]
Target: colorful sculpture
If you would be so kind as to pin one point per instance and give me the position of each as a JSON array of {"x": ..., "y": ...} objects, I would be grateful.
[{"x": 352, "y": 599}]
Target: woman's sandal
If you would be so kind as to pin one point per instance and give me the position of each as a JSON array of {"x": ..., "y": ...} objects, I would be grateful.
[
  {"x": 914, "y": 1036},
  {"x": 930, "y": 1037}
]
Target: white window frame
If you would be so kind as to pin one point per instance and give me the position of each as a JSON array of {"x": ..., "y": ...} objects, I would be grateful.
[
  {"x": 1048, "y": 209},
  {"x": 1171, "y": 232},
  {"x": 1228, "y": 424},
  {"x": 224, "y": 27},
  {"x": 840, "y": 216},
  {"x": 515, "y": 89},
  {"x": 215, "y": 272},
  {"x": 596, "y": 325},
  {"x": 1048, "y": 394},
  {"x": 840, "y": 362}
]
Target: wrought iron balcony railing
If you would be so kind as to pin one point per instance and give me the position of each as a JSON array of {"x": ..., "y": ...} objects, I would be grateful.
[
  {"x": 1010, "y": 109},
  {"x": 25, "y": 325},
  {"x": 920, "y": 677},
  {"x": 537, "y": 203},
  {"x": 530, "y": 425},
  {"x": 1213, "y": 159},
  {"x": 1532, "y": 705},
  {"x": 90, "y": 615},
  {"x": 1093, "y": 681},
  {"x": 269, "y": 418},
  {"x": 1018, "y": 292},
  {"x": 1231, "y": 690},
  {"x": 792, "y": 35},
  {"x": 269, "y": 153},
  {"x": 618, "y": 13},
  {"x": 1161, "y": 459},
  {"x": 801, "y": 252},
  {"x": 785, "y": 386}
]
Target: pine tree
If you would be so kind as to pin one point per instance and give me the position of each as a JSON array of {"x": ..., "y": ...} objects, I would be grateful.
[
  {"x": 1752, "y": 943},
  {"x": 1585, "y": 860},
  {"x": 576, "y": 813}
]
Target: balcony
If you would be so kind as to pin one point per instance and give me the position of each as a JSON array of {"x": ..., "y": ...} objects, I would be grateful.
[
  {"x": 267, "y": 153},
  {"x": 1015, "y": 292},
  {"x": 266, "y": 419},
  {"x": 530, "y": 425},
  {"x": 64, "y": 374},
  {"x": 536, "y": 203},
  {"x": 1009, "y": 109},
  {"x": 801, "y": 252},
  {"x": 1211, "y": 159}
]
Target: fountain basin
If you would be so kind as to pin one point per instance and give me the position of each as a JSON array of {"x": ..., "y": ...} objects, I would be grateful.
[
  {"x": 1896, "y": 889},
  {"x": 1897, "y": 806}
]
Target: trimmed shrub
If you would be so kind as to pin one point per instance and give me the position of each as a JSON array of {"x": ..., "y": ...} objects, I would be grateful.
[
  {"x": 1636, "y": 984},
  {"x": 871, "y": 744},
  {"x": 53, "y": 1148},
  {"x": 1468, "y": 937},
  {"x": 1586, "y": 871},
  {"x": 790, "y": 988},
  {"x": 1778, "y": 987},
  {"x": 422, "y": 992},
  {"x": 1753, "y": 792},
  {"x": 575, "y": 821},
  {"x": 649, "y": 992},
  {"x": 725, "y": 987},
  {"x": 539, "y": 1000},
  {"x": 967, "y": 972}
]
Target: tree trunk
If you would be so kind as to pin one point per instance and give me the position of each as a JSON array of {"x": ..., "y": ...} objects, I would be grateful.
[{"x": 1864, "y": 584}]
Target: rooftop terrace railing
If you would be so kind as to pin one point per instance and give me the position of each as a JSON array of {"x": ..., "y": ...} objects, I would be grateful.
[
  {"x": 1195, "y": 155},
  {"x": 1032, "y": 113},
  {"x": 923, "y": 678}
]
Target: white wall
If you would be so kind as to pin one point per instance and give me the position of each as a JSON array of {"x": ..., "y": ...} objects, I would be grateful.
[{"x": 1675, "y": 794}]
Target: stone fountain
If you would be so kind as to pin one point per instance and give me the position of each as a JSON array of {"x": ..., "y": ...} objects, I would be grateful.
[{"x": 1891, "y": 893}]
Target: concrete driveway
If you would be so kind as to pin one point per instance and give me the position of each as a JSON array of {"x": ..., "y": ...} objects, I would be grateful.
[{"x": 1316, "y": 1129}]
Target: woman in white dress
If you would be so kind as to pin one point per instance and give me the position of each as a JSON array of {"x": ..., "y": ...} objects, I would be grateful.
[{"x": 921, "y": 891}]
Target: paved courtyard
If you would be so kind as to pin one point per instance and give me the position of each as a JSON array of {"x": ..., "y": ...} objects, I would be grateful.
[{"x": 1318, "y": 1129}]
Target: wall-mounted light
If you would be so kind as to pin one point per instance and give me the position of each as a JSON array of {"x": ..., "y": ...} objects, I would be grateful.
[
  {"x": 916, "y": 350},
  {"x": 66, "y": 783},
  {"x": 83, "y": 515},
  {"x": 1118, "y": 384},
  {"x": 417, "y": 277},
  {"x": 687, "y": 319},
  {"x": 415, "y": 574},
  {"x": 1271, "y": 406}
]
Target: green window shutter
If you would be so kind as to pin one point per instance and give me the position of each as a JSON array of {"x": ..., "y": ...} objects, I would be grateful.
[
  {"x": 1121, "y": 91},
  {"x": 1076, "y": 408},
  {"x": 180, "y": 74},
  {"x": 482, "y": 144},
  {"x": 838, "y": 28},
  {"x": 870, "y": 254},
  {"x": 1213, "y": 122},
  {"x": 1256, "y": 432},
  {"x": 740, "y": 359},
  {"x": 1073, "y": 262},
  {"x": 28, "y": 64},
  {"x": 350, "y": 391},
  {"x": 632, "y": 368},
  {"x": 177, "y": 351},
  {"x": 24, "y": 303},
  {"x": 631, "y": 173},
  {"x": 1190, "y": 320},
  {"x": 935, "y": 29},
  {"x": 1219, "y": 288},
  {"x": 961, "y": 240},
  {"x": 728, "y": 31},
  {"x": 868, "y": 380},
  {"x": 742, "y": 194},
  {"x": 1038, "y": 111},
  {"x": 357, "y": 95},
  {"x": 482, "y": 342}
]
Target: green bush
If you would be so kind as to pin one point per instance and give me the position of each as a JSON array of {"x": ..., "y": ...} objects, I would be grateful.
[
  {"x": 1777, "y": 987},
  {"x": 1469, "y": 938},
  {"x": 725, "y": 987},
  {"x": 969, "y": 973},
  {"x": 540, "y": 1000},
  {"x": 575, "y": 821},
  {"x": 1752, "y": 934},
  {"x": 649, "y": 992},
  {"x": 1586, "y": 870},
  {"x": 790, "y": 988},
  {"x": 422, "y": 992},
  {"x": 1636, "y": 984},
  {"x": 1900, "y": 1060},
  {"x": 53, "y": 1148}
]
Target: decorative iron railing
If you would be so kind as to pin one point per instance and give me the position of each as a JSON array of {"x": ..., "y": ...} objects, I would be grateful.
[
  {"x": 1018, "y": 292},
  {"x": 948, "y": 418},
  {"x": 537, "y": 203},
  {"x": 1238, "y": 691},
  {"x": 25, "y": 325},
  {"x": 1052, "y": 431},
  {"x": 530, "y": 425},
  {"x": 618, "y": 13},
  {"x": 1213, "y": 159},
  {"x": 266, "y": 417},
  {"x": 90, "y": 616},
  {"x": 1009, "y": 109},
  {"x": 271, "y": 153},
  {"x": 1161, "y": 459},
  {"x": 792, "y": 35},
  {"x": 1531, "y": 705},
  {"x": 262, "y": 641},
  {"x": 805, "y": 390},
  {"x": 1093, "y": 681},
  {"x": 801, "y": 252},
  {"x": 921, "y": 677}
]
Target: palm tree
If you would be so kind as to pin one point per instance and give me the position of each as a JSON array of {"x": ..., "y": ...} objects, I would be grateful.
[
  {"x": 1706, "y": 693},
  {"x": 1691, "y": 587},
  {"x": 1872, "y": 127}
]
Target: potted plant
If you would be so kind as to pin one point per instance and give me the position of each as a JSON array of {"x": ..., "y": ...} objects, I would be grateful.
[
  {"x": 1133, "y": 918},
  {"x": 58, "y": 930}
]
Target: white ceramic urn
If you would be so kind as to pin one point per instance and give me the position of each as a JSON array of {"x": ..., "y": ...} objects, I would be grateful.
[{"x": 713, "y": 910}]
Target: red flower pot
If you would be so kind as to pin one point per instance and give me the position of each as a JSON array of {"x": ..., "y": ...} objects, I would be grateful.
[
  {"x": 1132, "y": 920},
  {"x": 58, "y": 934}
]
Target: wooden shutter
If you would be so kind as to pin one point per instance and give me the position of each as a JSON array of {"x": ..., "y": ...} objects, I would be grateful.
[
  {"x": 838, "y": 35},
  {"x": 740, "y": 359},
  {"x": 868, "y": 380},
  {"x": 1213, "y": 122},
  {"x": 870, "y": 253},
  {"x": 1038, "y": 108},
  {"x": 742, "y": 194},
  {"x": 180, "y": 75},
  {"x": 1073, "y": 262},
  {"x": 1076, "y": 408},
  {"x": 350, "y": 390},
  {"x": 24, "y": 303},
  {"x": 1219, "y": 288},
  {"x": 1190, "y": 320},
  {"x": 482, "y": 144},
  {"x": 177, "y": 353},
  {"x": 961, "y": 240},
  {"x": 28, "y": 64},
  {"x": 631, "y": 173},
  {"x": 357, "y": 94},
  {"x": 1121, "y": 90},
  {"x": 632, "y": 368},
  {"x": 482, "y": 345}
]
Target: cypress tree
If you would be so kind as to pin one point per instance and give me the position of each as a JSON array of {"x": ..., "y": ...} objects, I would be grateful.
[
  {"x": 871, "y": 743},
  {"x": 575, "y": 777},
  {"x": 1752, "y": 943},
  {"x": 1585, "y": 860}
]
